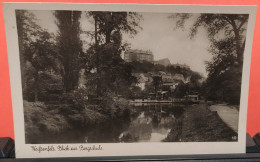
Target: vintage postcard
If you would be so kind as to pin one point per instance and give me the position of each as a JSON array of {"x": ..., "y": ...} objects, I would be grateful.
[{"x": 128, "y": 79}]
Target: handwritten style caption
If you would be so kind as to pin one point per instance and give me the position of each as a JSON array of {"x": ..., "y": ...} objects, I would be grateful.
[{"x": 51, "y": 148}]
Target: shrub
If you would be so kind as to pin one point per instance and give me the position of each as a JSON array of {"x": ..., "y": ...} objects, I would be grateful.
[
  {"x": 78, "y": 98},
  {"x": 39, "y": 120},
  {"x": 86, "y": 117}
]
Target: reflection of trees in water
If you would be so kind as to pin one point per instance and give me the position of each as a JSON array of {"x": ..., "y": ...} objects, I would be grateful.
[
  {"x": 151, "y": 119},
  {"x": 100, "y": 133},
  {"x": 140, "y": 128},
  {"x": 144, "y": 122},
  {"x": 107, "y": 132},
  {"x": 175, "y": 133},
  {"x": 155, "y": 121},
  {"x": 177, "y": 111}
]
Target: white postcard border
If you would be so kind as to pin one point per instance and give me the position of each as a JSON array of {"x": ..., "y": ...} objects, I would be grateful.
[{"x": 123, "y": 149}]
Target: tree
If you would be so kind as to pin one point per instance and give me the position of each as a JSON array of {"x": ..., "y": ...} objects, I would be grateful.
[
  {"x": 37, "y": 50},
  {"x": 70, "y": 46},
  {"x": 157, "y": 81},
  {"x": 105, "y": 54},
  {"x": 123, "y": 22},
  {"x": 232, "y": 25},
  {"x": 180, "y": 91},
  {"x": 26, "y": 27},
  {"x": 194, "y": 84},
  {"x": 227, "y": 35},
  {"x": 224, "y": 78}
]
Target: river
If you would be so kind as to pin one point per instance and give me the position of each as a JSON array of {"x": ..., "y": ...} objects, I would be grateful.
[
  {"x": 152, "y": 124},
  {"x": 148, "y": 123}
]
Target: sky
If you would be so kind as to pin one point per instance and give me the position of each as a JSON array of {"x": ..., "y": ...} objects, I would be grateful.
[{"x": 157, "y": 35}]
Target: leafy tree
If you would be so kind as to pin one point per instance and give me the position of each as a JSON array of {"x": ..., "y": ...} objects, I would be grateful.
[
  {"x": 194, "y": 83},
  {"x": 229, "y": 25},
  {"x": 123, "y": 22},
  {"x": 26, "y": 27},
  {"x": 227, "y": 35},
  {"x": 37, "y": 51},
  {"x": 70, "y": 46},
  {"x": 224, "y": 78},
  {"x": 104, "y": 55},
  {"x": 157, "y": 81},
  {"x": 143, "y": 67},
  {"x": 180, "y": 91}
]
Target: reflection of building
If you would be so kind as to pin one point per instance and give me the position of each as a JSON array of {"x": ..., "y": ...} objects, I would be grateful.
[{"x": 138, "y": 55}]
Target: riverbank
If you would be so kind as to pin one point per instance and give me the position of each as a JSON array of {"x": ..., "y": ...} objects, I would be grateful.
[
  {"x": 47, "y": 122},
  {"x": 199, "y": 124},
  {"x": 229, "y": 114}
]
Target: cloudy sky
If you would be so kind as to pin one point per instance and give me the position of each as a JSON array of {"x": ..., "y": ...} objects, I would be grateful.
[{"x": 158, "y": 35}]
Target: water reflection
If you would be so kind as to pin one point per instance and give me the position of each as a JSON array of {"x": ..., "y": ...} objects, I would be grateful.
[
  {"x": 153, "y": 123},
  {"x": 148, "y": 123}
]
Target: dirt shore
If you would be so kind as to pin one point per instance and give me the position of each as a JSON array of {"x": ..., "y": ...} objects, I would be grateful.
[{"x": 199, "y": 124}]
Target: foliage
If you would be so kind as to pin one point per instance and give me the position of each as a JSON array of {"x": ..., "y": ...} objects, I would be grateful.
[
  {"x": 117, "y": 108},
  {"x": 112, "y": 74},
  {"x": 132, "y": 92},
  {"x": 37, "y": 51},
  {"x": 127, "y": 22},
  {"x": 86, "y": 118},
  {"x": 224, "y": 78},
  {"x": 49, "y": 62},
  {"x": 145, "y": 67},
  {"x": 194, "y": 85},
  {"x": 157, "y": 81},
  {"x": 49, "y": 85},
  {"x": 70, "y": 47},
  {"x": 78, "y": 98},
  {"x": 227, "y": 86},
  {"x": 106, "y": 107},
  {"x": 227, "y": 35},
  {"x": 38, "y": 119},
  {"x": 181, "y": 90}
]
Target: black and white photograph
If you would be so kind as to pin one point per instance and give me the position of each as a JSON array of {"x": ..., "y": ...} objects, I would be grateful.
[{"x": 130, "y": 76}]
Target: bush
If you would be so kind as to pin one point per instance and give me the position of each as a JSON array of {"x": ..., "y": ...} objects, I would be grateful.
[
  {"x": 39, "y": 120},
  {"x": 118, "y": 108},
  {"x": 78, "y": 98},
  {"x": 86, "y": 118}
]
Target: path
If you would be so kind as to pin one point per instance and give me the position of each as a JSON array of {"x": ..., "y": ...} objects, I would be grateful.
[{"x": 228, "y": 114}]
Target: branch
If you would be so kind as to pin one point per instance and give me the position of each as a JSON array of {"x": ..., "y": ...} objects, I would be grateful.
[
  {"x": 242, "y": 23},
  {"x": 227, "y": 19},
  {"x": 234, "y": 25}
]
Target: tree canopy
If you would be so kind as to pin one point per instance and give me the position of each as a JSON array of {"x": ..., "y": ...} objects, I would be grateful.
[
  {"x": 70, "y": 46},
  {"x": 227, "y": 35},
  {"x": 218, "y": 27},
  {"x": 104, "y": 56},
  {"x": 37, "y": 51}
]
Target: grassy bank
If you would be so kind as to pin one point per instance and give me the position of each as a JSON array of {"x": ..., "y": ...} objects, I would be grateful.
[
  {"x": 199, "y": 124},
  {"x": 43, "y": 120},
  {"x": 228, "y": 113}
]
